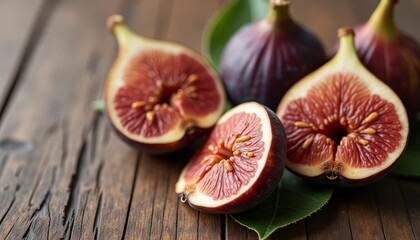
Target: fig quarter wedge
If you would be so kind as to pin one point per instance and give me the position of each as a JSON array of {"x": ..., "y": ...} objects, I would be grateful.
[{"x": 240, "y": 164}]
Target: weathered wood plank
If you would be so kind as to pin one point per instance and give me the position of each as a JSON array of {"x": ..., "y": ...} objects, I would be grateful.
[
  {"x": 105, "y": 187},
  {"x": 21, "y": 23},
  {"x": 392, "y": 210},
  {"x": 363, "y": 213},
  {"x": 410, "y": 189},
  {"x": 332, "y": 221},
  {"x": 50, "y": 187},
  {"x": 146, "y": 211},
  {"x": 64, "y": 174}
]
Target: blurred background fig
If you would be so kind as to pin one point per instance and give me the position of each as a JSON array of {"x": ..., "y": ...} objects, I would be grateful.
[
  {"x": 393, "y": 56},
  {"x": 263, "y": 59}
]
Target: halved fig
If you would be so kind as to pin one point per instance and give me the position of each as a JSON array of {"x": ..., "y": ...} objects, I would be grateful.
[
  {"x": 343, "y": 125},
  {"x": 160, "y": 95},
  {"x": 240, "y": 164}
]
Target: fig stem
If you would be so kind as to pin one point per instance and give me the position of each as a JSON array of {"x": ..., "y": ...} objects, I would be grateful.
[
  {"x": 346, "y": 54},
  {"x": 117, "y": 26},
  {"x": 382, "y": 19},
  {"x": 276, "y": 3},
  {"x": 279, "y": 11}
]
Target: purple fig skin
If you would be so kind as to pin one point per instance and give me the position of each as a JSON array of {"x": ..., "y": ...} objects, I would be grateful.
[
  {"x": 265, "y": 58},
  {"x": 391, "y": 55}
]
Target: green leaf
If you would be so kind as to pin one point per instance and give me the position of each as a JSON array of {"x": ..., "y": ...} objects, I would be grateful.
[
  {"x": 409, "y": 164},
  {"x": 227, "y": 21},
  {"x": 293, "y": 200}
]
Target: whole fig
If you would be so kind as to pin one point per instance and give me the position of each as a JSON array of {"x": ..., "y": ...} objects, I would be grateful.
[
  {"x": 265, "y": 58},
  {"x": 393, "y": 56}
]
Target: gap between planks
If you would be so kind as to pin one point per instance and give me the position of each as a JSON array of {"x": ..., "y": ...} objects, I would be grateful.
[{"x": 38, "y": 28}]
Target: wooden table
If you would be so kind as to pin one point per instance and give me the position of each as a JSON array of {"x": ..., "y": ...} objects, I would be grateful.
[{"x": 65, "y": 174}]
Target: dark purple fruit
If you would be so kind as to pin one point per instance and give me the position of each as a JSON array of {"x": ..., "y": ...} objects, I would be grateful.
[
  {"x": 343, "y": 125},
  {"x": 159, "y": 95},
  {"x": 240, "y": 164},
  {"x": 393, "y": 56},
  {"x": 265, "y": 58}
]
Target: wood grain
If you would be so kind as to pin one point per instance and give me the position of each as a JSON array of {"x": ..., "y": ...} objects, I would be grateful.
[
  {"x": 50, "y": 184},
  {"x": 363, "y": 213},
  {"x": 18, "y": 39},
  {"x": 332, "y": 222},
  {"x": 411, "y": 193},
  {"x": 64, "y": 174},
  {"x": 392, "y": 210}
]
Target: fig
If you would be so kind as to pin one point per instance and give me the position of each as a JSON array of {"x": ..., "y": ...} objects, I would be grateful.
[
  {"x": 240, "y": 164},
  {"x": 160, "y": 95},
  {"x": 344, "y": 126},
  {"x": 263, "y": 59},
  {"x": 393, "y": 56}
]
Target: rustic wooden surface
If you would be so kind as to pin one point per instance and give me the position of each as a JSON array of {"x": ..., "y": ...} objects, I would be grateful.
[{"x": 65, "y": 175}]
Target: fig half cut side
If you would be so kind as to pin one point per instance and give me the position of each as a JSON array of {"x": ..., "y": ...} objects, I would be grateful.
[
  {"x": 240, "y": 164},
  {"x": 343, "y": 125},
  {"x": 160, "y": 95}
]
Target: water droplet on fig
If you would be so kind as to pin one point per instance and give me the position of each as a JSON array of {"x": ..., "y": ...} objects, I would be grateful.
[{"x": 183, "y": 198}]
